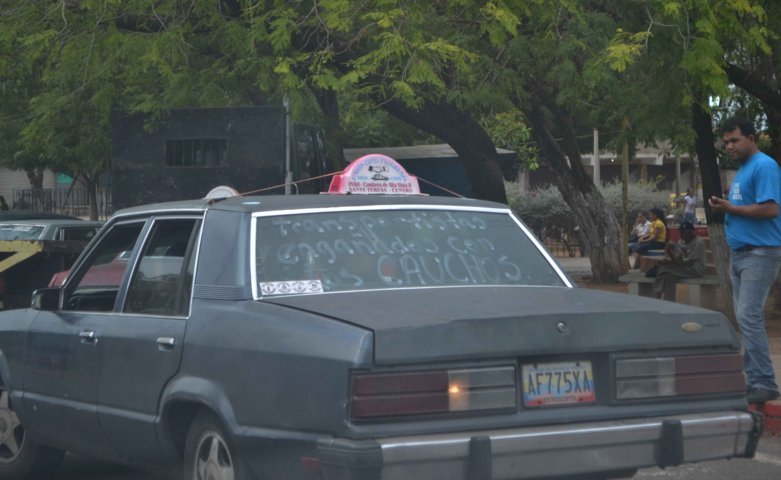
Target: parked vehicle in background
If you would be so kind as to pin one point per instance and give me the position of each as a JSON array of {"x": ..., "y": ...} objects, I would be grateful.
[
  {"x": 13, "y": 215},
  {"x": 32, "y": 250},
  {"x": 386, "y": 336},
  {"x": 49, "y": 229}
]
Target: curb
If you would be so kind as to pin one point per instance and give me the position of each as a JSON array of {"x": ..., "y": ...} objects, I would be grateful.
[{"x": 772, "y": 412}]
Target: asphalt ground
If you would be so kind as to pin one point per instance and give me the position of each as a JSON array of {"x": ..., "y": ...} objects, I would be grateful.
[{"x": 766, "y": 465}]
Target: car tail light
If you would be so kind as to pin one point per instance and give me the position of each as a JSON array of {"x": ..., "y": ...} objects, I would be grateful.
[
  {"x": 679, "y": 376},
  {"x": 439, "y": 391}
]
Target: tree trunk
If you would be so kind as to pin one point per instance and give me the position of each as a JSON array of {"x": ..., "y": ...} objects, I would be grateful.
[
  {"x": 475, "y": 148},
  {"x": 774, "y": 130},
  {"x": 334, "y": 134},
  {"x": 600, "y": 229},
  {"x": 91, "y": 184},
  {"x": 35, "y": 177},
  {"x": 707, "y": 160}
]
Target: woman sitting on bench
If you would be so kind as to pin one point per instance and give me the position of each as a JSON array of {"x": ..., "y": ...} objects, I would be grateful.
[{"x": 654, "y": 240}]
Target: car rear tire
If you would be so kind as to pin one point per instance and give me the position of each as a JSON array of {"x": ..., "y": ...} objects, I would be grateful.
[
  {"x": 209, "y": 452},
  {"x": 20, "y": 456}
]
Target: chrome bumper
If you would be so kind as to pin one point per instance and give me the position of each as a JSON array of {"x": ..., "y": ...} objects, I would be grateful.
[{"x": 545, "y": 451}]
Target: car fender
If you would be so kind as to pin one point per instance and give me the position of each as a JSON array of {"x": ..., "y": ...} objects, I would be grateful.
[
  {"x": 14, "y": 390},
  {"x": 194, "y": 390},
  {"x": 5, "y": 371}
]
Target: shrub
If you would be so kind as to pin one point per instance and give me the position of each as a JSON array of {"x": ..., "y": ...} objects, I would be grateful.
[
  {"x": 543, "y": 209},
  {"x": 642, "y": 196}
]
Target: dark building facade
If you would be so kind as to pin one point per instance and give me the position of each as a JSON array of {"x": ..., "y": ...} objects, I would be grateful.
[{"x": 194, "y": 150}]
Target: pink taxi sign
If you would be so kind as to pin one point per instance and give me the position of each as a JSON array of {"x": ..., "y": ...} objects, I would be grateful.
[{"x": 375, "y": 174}]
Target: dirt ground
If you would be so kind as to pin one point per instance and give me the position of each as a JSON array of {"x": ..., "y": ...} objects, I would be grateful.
[{"x": 772, "y": 315}]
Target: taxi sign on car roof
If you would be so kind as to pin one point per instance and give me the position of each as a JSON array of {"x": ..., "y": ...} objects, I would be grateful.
[{"x": 375, "y": 174}]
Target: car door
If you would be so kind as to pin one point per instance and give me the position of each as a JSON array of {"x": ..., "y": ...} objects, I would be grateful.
[
  {"x": 64, "y": 347},
  {"x": 142, "y": 347}
]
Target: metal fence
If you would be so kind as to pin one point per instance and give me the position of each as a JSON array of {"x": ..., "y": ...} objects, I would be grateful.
[
  {"x": 60, "y": 200},
  {"x": 561, "y": 243}
]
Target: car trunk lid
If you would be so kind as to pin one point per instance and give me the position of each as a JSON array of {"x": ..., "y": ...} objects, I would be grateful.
[{"x": 436, "y": 324}]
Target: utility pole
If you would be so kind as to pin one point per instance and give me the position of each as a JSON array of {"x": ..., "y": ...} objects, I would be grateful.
[
  {"x": 597, "y": 173},
  {"x": 625, "y": 191}
]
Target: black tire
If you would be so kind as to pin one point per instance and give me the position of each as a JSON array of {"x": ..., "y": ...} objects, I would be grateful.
[
  {"x": 20, "y": 456},
  {"x": 209, "y": 453}
]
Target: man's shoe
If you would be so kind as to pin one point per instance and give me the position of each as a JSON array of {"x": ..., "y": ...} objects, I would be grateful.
[{"x": 761, "y": 395}]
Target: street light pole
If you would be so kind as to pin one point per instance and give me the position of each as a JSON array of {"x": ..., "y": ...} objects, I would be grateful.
[{"x": 625, "y": 191}]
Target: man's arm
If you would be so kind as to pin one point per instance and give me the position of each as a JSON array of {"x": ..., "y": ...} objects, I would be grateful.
[{"x": 768, "y": 209}]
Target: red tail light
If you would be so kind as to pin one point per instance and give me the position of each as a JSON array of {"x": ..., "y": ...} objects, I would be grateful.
[
  {"x": 638, "y": 378},
  {"x": 413, "y": 393}
]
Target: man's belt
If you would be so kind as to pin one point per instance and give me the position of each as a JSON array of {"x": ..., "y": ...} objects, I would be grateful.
[{"x": 748, "y": 248}]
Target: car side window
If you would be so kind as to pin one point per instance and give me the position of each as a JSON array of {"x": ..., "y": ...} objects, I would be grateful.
[
  {"x": 161, "y": 283},
  {"x": 98, "y": 285},
  {"x": 79, "y": 234}
]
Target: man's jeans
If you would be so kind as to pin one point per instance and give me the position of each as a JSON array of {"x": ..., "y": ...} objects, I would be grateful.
[{"x": 753, "y": 273}]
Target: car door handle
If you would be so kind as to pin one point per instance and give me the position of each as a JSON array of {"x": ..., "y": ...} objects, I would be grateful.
[
  {"x": 166, "y": 343},
  {"x": 88, "y": 336}
]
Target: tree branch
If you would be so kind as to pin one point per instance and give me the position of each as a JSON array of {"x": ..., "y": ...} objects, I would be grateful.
[{"x": 752, "y": 83}]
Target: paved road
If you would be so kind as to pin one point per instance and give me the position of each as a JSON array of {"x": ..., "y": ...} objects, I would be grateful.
[
  {"x": 82, "y": 468},
  {"x": 766, "y": 466}
]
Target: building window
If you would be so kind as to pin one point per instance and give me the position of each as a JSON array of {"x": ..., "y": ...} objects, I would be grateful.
[{"x": 198, "y": 152}]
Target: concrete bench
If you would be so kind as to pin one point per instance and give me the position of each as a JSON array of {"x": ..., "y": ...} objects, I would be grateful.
[{"x": 702, "y": 290}]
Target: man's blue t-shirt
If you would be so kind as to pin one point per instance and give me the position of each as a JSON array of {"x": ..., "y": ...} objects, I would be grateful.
[{"x": 757, "y": 181}]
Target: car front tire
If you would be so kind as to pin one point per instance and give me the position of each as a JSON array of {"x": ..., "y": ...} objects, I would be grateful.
[
  {"x": 209, "y": 453},
  {"x": 20, "y": 456}
]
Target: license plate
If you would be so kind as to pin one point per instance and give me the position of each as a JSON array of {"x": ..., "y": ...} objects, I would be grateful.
[{"x": 563, "y": 383}]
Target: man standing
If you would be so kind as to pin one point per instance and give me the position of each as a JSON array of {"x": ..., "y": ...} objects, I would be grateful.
[
  {"x": 753, "y": 228},
  {"x": 689, "y": 207}
]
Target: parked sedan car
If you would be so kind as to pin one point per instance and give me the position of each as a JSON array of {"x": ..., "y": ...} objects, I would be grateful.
[
  {"x": 25, "y": 267},
  {"x": 358, "y": 337}
]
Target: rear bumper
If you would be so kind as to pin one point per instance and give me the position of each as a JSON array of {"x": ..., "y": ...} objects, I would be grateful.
[{"x": 545, "y": 451}]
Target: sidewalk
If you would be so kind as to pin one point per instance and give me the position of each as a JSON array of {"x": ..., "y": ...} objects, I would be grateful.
[{"x": 579, "y": 267}]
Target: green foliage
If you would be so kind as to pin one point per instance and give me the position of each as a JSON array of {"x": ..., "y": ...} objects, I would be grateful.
[
  {"x": 372, "y": 127},
  {"x": 509, "y": 130},
  {"x": 65, "y": 66},
  {"x": 624, "y": 48}
]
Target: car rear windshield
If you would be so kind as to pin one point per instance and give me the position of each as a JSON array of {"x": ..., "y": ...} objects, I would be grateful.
[
  {"x": 20, "y": 232},
  {"x": 378, "y": 249}
]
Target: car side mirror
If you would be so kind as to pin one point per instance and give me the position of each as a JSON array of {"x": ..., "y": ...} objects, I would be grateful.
[{"x": 47, "y": 299}]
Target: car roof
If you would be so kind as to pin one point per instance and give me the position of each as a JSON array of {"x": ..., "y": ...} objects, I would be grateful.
[
  {"x": 268, "y": 203},
  {"x": 62, "y": 222},
  {"x": 14, "y": 215}
]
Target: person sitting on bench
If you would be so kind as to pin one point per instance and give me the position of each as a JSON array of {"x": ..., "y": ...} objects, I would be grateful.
[
  {"x": 685, "y": 259},
  {"x": 655, "y": 238}
]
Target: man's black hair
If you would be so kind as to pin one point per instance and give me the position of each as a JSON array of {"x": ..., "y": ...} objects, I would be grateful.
[
  {"x": 746, "y": 127},
  {"x": 687, "y": 225}
]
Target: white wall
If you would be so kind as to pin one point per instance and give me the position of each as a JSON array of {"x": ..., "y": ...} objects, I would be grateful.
[{"x": 11, "y": 180}]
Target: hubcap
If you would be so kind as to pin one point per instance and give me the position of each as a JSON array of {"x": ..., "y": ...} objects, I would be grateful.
[
  {"x": 213, "y": 460},
  {"x": 11, "y": 430}
]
